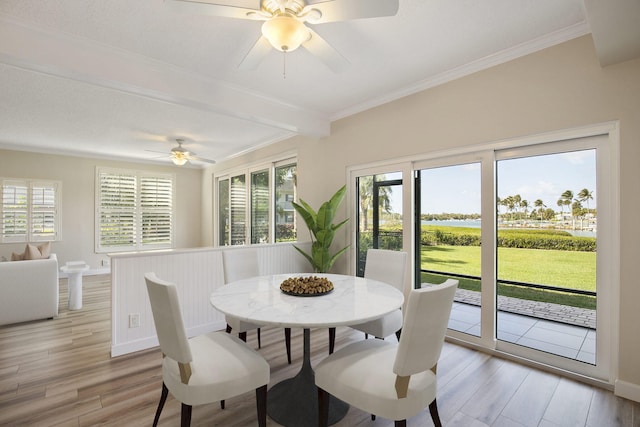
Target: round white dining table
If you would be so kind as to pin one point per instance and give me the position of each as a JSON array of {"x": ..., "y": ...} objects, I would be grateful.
[{"x": 293, "y": 402}]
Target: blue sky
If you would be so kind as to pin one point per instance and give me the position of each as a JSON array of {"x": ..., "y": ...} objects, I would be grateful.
[{"x": 456, "y": 189}]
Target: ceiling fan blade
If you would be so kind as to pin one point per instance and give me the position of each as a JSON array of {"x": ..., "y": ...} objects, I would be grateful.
[
  {"x": 255, "y": 56},
  {"x": 200, "y": 159},
  {"x": 345, "y": 10},
  {"x": 219, "y": 8},
  {"x": 327, "y": 54}
]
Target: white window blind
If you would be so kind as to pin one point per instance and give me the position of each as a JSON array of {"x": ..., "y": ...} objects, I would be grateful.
[
  {"x": 135, "y": 210},
  {"x": 156, "y": 194},
  {"x": 30, "y": 210}
]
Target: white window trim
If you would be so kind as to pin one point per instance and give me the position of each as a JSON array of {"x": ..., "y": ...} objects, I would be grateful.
[
  {"x": 30, "y": 236},
  {"x": 269, "y": 164}
]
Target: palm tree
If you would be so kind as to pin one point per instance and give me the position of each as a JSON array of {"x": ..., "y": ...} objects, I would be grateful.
[
  {"x": 567, "y": 198},
  {"x": 584, "y": 196},
  {"x": 525, "y": 207},
  {"x": 577, "y": 211},
  {"x": 560, "y": 203},
  {"x": 510, "y": 203},
  {"x": 366, "y": 198},
  {"x": 540, "y": 205}
]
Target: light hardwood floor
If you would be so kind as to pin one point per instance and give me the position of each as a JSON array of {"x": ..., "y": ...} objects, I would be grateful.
[{"x": 59, "y": 373}]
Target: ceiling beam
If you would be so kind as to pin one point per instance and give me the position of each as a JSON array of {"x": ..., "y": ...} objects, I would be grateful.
[{"x": 84, "y": 60}]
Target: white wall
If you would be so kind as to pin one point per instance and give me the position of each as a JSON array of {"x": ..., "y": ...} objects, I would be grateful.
[
  {"x": 562, "y": 87},
  {"x": 78, "y": 201}
]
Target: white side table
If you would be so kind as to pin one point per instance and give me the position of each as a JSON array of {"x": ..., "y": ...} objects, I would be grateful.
[{"x": 74, "y": 271}]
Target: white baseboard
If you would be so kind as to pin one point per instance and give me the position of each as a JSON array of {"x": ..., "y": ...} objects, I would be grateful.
[
  {"x": 146, "y": 343},
  {"x": 627, "y": 390}
]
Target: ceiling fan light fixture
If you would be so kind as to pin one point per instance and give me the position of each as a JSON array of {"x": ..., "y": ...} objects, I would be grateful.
[
  {"x": 179, "y": 158},
  {"x": 285, "y": 32}
]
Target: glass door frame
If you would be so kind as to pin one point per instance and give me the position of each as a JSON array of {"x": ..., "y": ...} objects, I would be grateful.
[
  {"x": 607, "y": 264},
  {"x": 407, "y": 205},
  {"x": 485, "y": 158},
  {"x": 608, "y": 267}
]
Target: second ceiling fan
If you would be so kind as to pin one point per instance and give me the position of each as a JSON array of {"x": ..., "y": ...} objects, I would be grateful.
[{"x": 285, "y": 22}]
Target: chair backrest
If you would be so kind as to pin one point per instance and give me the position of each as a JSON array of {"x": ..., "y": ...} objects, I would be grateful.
[
  {"x": 425, "y": 324},
  {"x": 240, "y": 264},
  {"x": 386, "y": 266},
  {"x": 167, "y": 317}
]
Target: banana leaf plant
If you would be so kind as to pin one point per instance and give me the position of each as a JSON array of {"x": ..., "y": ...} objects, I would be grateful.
[{"x": 322, "y": 231}]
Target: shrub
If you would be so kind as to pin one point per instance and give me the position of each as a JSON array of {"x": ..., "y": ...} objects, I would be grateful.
[{"x": 524, "y": 239}]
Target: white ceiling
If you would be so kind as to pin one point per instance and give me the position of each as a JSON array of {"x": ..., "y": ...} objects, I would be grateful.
[{"x": 116, "y": 78}]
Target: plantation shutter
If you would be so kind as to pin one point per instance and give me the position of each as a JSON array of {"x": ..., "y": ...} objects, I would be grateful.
[
  {"x": 260, "y": 207},
  {"x": 43, "y": 211},
  {"x": 238, "y": 210},
  {"x": 15, "y": 209},
  {"x": 156, "y": 206},
  {"x": 117, "y": 208},
  {"x": 135, "y": 210}
]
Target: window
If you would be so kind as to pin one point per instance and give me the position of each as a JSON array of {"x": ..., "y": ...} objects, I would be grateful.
[
  {"x": 285, "y": 189},
  {"x": 30, "y": 210},
  {"x": 134, "y": 210},
  {"x": 254, "y": 206}
]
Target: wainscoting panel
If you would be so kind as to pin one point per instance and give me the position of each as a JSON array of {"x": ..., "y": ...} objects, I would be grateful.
[{"x": 196, "y": 273}]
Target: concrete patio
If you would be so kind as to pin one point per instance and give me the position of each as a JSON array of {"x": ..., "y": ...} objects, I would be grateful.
[{"x": 553, "y": 328}]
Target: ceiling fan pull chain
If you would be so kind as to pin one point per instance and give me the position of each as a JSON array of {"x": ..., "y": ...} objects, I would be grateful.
[{"x": 284, "y": 65}]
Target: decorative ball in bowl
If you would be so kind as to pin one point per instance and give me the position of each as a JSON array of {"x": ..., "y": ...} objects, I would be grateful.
[{"x": 310, "y": 286}]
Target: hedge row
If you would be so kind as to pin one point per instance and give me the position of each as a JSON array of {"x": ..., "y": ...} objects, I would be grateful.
[{"x": 525, "y": 239}]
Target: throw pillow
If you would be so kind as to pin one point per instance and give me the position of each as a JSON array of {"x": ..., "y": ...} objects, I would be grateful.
[
  {"x": 17, "y": 257},
  {"x": 38, "y": 252}
]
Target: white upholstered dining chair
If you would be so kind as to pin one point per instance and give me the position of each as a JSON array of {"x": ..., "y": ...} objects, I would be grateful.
[
  {"x": 392, "y": 380},
  {"x": 206, "y": 368},
  {"x": 388, "y": 267},
  {"x": 240, "y": 264}
]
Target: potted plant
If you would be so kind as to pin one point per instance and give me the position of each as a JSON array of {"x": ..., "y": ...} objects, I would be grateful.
[{"x": 322, "y": 231}]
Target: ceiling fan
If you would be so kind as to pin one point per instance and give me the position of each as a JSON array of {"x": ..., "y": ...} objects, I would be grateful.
[
  {"x": 180, "y": 155},
  {"x": 284, "y": 26}
]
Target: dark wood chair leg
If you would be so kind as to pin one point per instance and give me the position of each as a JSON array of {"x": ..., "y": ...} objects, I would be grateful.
[
  {"x": 433, "y": 410},
  {"x": 332, "y": 339},
  {"x": 259, "y": 341},
  {"x": 185, "y": 415},
  {"x": 398, "y": 333},
  {"x": 261, "y": 403},
  {"x": 373, "y": 417},
  {"x": 228, "y": 329},
  {"x": 323, "y": 408},
  {"x": 163, "y": 398},
  {"x": 366, "y": 336},
  {"x": 243, "y": 336},
  {"x": 222, "y": 404},
  {"x": 401, "y": 423},
  {"x": 287, "y": 343}
]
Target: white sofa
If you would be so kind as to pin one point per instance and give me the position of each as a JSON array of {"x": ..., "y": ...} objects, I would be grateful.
[{"x": 28, "y": 290}]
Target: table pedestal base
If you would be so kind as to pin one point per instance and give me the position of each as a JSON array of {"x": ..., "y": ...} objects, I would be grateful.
[
  {"x": 75, "y": 290},
  {"x": 294, "y": 402}
]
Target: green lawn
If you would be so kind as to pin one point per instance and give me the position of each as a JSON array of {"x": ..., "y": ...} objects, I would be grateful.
[{"x": 567, "y": 269}]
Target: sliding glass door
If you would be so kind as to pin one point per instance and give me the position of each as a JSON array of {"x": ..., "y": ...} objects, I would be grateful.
[
  {"x": 448, "y": 199},
  {"x": 528, "y": 231}
]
